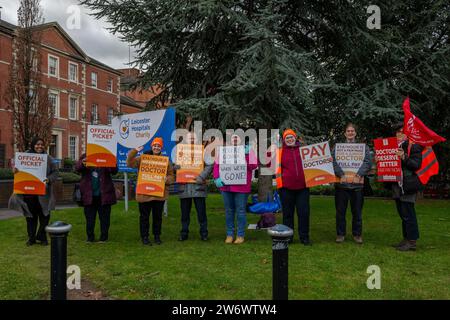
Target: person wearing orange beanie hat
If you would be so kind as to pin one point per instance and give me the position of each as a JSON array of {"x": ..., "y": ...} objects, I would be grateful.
[
  {"x": 147, "y": 203},
  {"x": 291, "y": 183}
]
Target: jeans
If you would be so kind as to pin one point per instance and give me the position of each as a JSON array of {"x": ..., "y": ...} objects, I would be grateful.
[
  {"x": 200, "y": 207},
  {"x": 144, "y": 209},
  {"x": 290, "y": 200},
  {"x": 104, "y": 214},
  {"x": 235, "y": 204},
  {"x": 37, "y": 215},
  {"x": 341, "y": 199},
  {"x": 407, "y": 213}
]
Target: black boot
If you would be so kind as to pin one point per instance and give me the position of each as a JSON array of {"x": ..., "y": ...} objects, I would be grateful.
[
  {"x": 401, "y": 243},
  {"x": 158, "y": 240},
  {"x": 409, "y": 245},
  {"x": 146, "y": 242}
]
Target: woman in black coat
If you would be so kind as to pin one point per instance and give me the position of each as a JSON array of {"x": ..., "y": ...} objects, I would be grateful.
[
  {"x": 98, "y": 195},
  {"x": 405, "y": 192}
]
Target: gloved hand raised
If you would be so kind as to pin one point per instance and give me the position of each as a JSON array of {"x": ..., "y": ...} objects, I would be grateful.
[{"x": 219, "y": 183}]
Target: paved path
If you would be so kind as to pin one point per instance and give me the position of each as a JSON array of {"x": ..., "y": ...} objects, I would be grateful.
[{"x": 8, "y": 214}]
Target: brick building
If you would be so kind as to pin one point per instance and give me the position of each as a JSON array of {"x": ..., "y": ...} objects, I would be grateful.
[
  {"x": 81, "y": 89},
  {"x": 139, "y": 95}
]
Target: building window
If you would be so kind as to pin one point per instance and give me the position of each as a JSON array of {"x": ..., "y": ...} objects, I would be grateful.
[
  {"x": 52, "y": 149},
  {"x": 54, "y": 101},
  {"x": 73, "y": 72},
  {"x": 110, "y": 85},
  {"x": 73, "y": 147},
  {"x": 94, "y": 79},
  {"x": 73, "y": 108},
  {"x": 94, "y": 114},
  {"x": 110, "y": 115},
  {"x": 2, "y": 155},
  {"x": 53, "y": 66}
]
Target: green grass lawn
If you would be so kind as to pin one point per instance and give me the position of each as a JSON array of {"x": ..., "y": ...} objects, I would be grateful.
[{"x": 125, "y": 269}]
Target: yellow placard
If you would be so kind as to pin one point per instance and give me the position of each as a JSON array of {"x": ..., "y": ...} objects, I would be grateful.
[
  {"x": 152, "y": 174},
  {"x": 190, "y": 159}
]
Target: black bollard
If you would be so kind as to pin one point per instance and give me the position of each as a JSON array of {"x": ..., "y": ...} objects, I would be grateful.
[
  {"x": 280, "y": 239},
  {"x": 58, "y": 232}
]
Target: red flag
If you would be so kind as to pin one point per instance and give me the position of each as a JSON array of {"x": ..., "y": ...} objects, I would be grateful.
[{"x": 416, "y": 131}]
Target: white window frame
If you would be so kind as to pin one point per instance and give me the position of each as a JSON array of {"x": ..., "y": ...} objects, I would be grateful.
[
  {"x": 76, "y": 107},
  {"x": 58, "y": 146},
  {"x": 76, "y": 148},
  {"x": 76, "y": 72},
  {"x": 110, "y": 109},
  {"x": 57, "y": 108},
  {"x": 110, "y": 85},
  {"x": 57, "y": 66},
  {"x": 95, "y": 116},
  {"x": 96, "y": 79}
]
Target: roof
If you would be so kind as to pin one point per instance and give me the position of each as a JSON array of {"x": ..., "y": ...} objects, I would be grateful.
[
  {"x": 9, "y": 28},
  {"x": 129, "y": 102}
]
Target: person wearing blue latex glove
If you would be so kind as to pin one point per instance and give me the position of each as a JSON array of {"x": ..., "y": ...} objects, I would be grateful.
[
  {"x": 247, "y": 149},
  {"x": 219, "y": 182}
]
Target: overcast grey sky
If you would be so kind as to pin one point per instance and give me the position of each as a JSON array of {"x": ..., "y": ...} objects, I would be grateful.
[{"x": 92, "y": 37}]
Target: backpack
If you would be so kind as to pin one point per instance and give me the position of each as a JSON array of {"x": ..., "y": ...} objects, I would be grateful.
[
  {"x": 267, "y": 220},
  {"x": 76, "y": 195}
]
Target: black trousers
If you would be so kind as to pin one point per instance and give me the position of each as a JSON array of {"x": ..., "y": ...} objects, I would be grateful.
[
  {"x": 290, "y": 200},
  {"x": 341, "y": 199},
  {"x": 200, "y": 207},
  {"x": 37, "y": 216},
  {"x": 144, "y": 209},
  {"x": 407, "y": 213},
  {"x": 104, "y": 214}
]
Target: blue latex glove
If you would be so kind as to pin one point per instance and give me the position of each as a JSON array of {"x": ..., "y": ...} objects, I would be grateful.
[
  {"x": 219, "y": 183},
  {"x": 247, "y": 149}
]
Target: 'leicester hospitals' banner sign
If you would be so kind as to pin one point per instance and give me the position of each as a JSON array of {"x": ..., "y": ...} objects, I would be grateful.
[
  {"x": 232, "y": 165},
  {"x": 389, "y": 167},
  {"x": 152, "y": 174},
  {"x": 32, "y": 173},
  {"x": 101, "y": 146},
  {"x": 139, "y": 129},
  {"x": 190, "y": 159},
  {"x": 317, "y": 164},
  {"x": 350, "y": 157}
]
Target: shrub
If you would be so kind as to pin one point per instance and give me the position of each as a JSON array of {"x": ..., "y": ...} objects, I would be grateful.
[
  {"x": 69, "y": 177},
  {"x": 6, "y": 174}
]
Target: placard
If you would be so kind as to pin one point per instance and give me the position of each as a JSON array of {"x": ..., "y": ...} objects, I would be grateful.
[
  {"x": 152, "y": 175},
  {"x": 350, "y": 157},
  {"x": 389, "y": 166},
  {"x": 317, "y": 164},
  {"x": 101, "y": 146},
  {"x": 232, "y": 165},
  {"x": 190, "y": 159},
  {"x": 32, "y": 173}
]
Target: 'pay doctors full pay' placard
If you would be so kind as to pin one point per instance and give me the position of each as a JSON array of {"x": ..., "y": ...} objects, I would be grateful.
[
  {"x": 350, "y": 157},
  {"x": 32, "y": 173},
  {"x": 139, "y": 129}
]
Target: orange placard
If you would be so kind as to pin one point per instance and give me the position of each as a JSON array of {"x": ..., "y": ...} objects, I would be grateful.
[
  {"x": 101, "y": 147},
  {"x": 32, "y": 171},
  {"x": 190, "y": 159},
  {"x": 152, "y": 174},
  {"x": 317, "y": 164}
]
